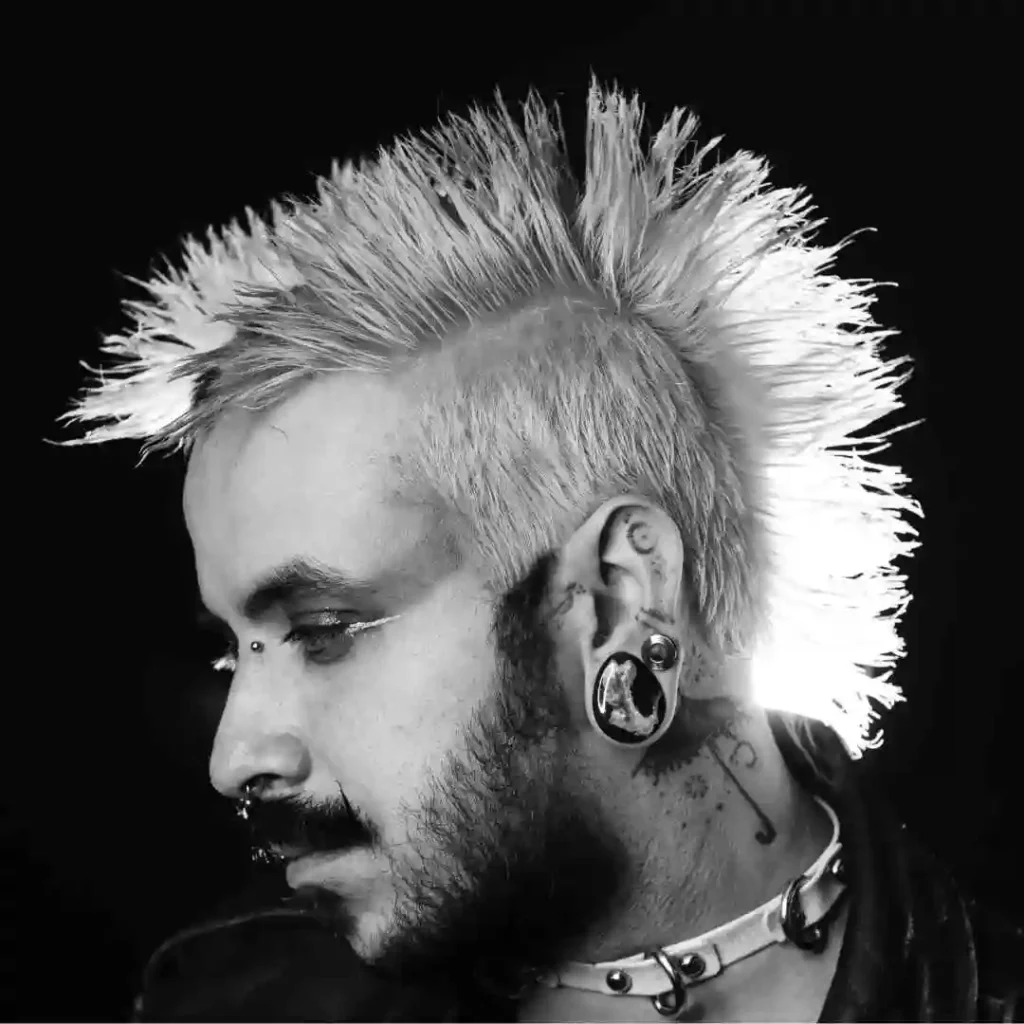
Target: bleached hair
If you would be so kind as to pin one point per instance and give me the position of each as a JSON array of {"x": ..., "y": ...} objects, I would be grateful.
[{"x": 682, "y": 338}]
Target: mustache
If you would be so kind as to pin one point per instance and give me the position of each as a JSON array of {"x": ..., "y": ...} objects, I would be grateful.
[{"x": 297, "y": 822}]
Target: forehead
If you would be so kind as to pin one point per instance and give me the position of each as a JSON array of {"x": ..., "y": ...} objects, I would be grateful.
[{"x": 313, "y": 477}]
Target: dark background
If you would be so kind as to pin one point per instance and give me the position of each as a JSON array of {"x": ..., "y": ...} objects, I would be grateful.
[{"x": 113, "y": 835}]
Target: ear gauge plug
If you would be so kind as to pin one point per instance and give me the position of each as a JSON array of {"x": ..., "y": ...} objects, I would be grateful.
[{"x": 628, "y": 703}]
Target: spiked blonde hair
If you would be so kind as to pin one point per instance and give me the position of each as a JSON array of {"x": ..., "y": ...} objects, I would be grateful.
[{"x": 693, "y": 346}]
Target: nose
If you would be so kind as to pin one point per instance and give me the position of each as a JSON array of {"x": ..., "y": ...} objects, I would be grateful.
[
  {"x": 257, "y": 739},
  {"x": 280, "y": 761}
]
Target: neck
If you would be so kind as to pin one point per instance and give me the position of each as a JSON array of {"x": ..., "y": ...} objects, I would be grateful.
[{"x": 722, "y": 828}]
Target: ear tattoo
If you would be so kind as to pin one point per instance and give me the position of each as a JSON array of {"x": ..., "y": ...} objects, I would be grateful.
[{"x": 629, "y": 704}]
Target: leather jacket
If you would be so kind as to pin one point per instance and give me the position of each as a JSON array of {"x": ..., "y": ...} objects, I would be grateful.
[{"x": 915, "y": 947}]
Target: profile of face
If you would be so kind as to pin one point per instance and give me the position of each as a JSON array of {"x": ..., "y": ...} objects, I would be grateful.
[{"x": 426, "y": 766}]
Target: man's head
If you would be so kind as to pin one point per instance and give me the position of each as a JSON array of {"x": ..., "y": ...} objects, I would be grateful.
[
  {"x": 715, "y": 365},
  {"x": 460, "y": 378}
]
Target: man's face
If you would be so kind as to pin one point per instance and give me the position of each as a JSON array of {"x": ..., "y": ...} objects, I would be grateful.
[{"x": 430, "y": 759}]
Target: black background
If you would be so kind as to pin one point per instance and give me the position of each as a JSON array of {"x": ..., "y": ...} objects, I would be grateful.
[{"x": 136, "y": 136}]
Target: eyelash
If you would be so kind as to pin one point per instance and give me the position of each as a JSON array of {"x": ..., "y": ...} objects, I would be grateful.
[{"x": 228, "y": 661}]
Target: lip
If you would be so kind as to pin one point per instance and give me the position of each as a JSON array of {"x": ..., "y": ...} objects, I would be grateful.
[
  {"x": 311, "y": 857},
  {"x": 301, "y": 866}
]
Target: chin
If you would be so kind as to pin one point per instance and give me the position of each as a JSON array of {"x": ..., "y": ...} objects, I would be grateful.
[
  {"x": 361, "y": 882},
  {"x": 370, "y": 930}
]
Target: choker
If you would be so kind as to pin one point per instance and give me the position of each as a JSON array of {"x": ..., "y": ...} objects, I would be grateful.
[{"x": 798, "y": 915}]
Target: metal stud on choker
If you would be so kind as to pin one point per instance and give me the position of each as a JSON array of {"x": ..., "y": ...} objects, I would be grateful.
[{"x": 619, "y": 982}]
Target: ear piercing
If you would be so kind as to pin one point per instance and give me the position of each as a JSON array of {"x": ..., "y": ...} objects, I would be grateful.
[
  {"x": 628, "y": 702},
  {"x": 659, "y": 652}
]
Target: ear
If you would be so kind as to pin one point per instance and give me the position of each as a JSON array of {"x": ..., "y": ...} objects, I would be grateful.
[{"x": 619, "y": 588}]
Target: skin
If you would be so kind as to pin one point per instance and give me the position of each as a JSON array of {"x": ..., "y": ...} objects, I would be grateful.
[{"x": 484, "y": 817}]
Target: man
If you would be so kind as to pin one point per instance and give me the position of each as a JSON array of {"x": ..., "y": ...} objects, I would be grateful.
[{"x": 559, "y": 591}]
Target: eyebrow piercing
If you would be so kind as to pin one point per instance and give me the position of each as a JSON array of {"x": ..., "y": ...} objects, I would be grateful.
[{"x": 256, "y": 647}]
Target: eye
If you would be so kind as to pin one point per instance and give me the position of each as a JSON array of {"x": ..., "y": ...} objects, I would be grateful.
[
  {"x": 322, "y": 644},
  {"x": 326, "y": 640}
]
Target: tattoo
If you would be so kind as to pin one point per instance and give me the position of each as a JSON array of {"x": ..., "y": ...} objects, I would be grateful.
[
  {"x": 766, "y": 834},
  {"x": 644, "y": 543},
  {"x": 699, "y": 674},
  {"x": 653, "y": 613},
  {"x": 695, "y": 787},
  {"x": 696, "y": 721},
  {"x": 657, "y": 565},
  {"x": 748, "y": 749},
  {"x": 572, "y": 591},
  {"x": 729, "y": 730}
]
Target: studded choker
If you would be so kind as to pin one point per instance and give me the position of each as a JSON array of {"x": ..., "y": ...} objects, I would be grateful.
[{"x": 800, "y": 915}]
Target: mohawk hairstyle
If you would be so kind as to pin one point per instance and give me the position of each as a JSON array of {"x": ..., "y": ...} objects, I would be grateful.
[{"x": 682, "y": 337}]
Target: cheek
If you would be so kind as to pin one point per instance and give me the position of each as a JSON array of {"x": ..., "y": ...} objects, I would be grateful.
[{"x": 385, "y": 722}]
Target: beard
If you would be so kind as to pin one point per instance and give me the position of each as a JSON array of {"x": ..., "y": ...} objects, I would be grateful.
[{"x": 515, "y": 864}]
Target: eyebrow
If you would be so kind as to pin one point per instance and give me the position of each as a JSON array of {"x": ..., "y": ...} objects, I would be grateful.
[{"x": 296, "y": 580}]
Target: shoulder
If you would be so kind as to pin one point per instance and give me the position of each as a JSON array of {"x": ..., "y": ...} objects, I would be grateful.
[{"x": 974, "y": 940}]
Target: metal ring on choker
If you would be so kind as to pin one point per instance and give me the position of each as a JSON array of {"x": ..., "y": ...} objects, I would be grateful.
[
  {"x": 809, "y": 937},
  {"x": 678, "y": 992}
]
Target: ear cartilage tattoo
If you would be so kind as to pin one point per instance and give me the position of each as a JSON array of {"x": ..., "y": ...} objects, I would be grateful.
[
  {"x": 640, "y": 539},
  {"x": 657, "y": 616}
]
